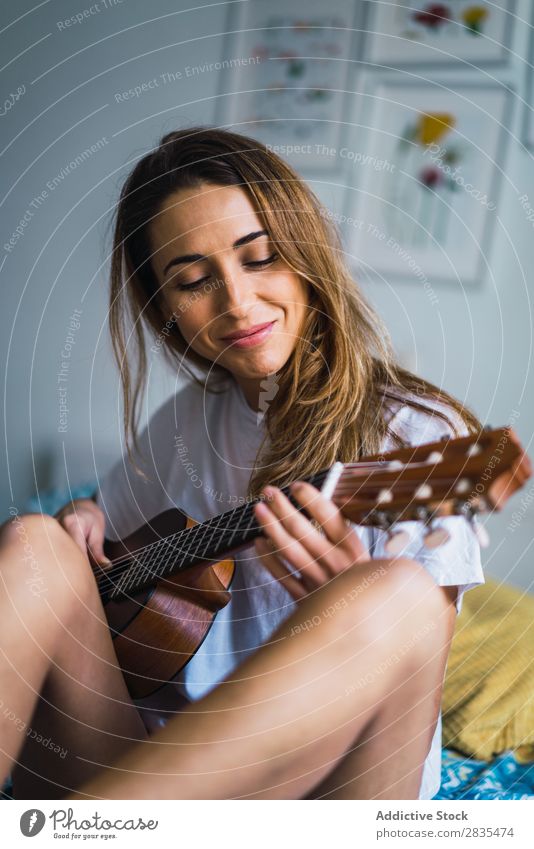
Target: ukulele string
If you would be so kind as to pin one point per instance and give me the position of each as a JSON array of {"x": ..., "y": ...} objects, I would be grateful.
[
  {"x": 173, "y": 542},
  {"x": 190, "y": 534},
  {"x": 194, "y": 537},
  {"x": 109, "y": 576},
  {"x": 205, "y": 525}
]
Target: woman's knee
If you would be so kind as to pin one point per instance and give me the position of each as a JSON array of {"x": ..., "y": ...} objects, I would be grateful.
[
  {"x": 36, "y": 551},
  {"x": 424, "y": 614},
  {"x": 408, "y": 577},
  {"x": 395, "y": 598},
  {"x": 20, "y": 525}
]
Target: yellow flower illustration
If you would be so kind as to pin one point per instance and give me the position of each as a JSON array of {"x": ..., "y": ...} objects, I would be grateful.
[
  {"x": 432, "y": 126},
  {"x": 474, "y": 17}
]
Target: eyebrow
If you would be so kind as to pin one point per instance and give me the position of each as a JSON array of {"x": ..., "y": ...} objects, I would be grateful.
[{"x": 186, "y": 258}]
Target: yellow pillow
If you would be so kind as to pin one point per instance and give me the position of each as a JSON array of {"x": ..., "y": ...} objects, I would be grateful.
[{"x": 488, "y": 696}]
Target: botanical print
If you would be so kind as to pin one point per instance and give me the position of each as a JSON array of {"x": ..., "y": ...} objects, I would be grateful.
[
  {"x": 428, "y": 21},
  {"x": 291, "y": 78},
  {"x": 427, "y": 155},
  {"x": 434, "y": 206},
  {"x": 294, "y": 95},
  {"x": 409, "y": 31}
]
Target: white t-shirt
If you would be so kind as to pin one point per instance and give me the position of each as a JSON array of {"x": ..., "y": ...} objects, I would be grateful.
[{"x": 200, "y": 449}]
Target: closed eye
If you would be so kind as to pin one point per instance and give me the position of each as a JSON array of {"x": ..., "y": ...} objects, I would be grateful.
[{"x": 259, "y": 263}]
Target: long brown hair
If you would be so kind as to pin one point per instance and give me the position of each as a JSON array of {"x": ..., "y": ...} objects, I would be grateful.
[{"x": 333, "y": 392}]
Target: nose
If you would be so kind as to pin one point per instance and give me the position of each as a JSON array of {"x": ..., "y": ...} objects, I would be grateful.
[{"x": 234, "y": 294}]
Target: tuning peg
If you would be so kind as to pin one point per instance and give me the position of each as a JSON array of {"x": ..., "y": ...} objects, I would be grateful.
[
  {"x": 384, "y": 496},
  {"x": 436, "y": 536},
  {"x": 423, "y": 491},
  {"x": 469, "y": 510},
  {"x": 462, "y": 486},
  {"x": 422, "y": 513},
  {"x": 396, "y": 541},
  {"x": 474, "y": 450}
]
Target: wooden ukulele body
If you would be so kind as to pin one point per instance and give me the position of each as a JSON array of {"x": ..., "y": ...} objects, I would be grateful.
[{"x": 157, "y": 631}]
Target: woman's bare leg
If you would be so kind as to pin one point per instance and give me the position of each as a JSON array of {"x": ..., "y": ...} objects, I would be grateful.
[
  {"x": 319, "y": 650},
  {"x": 281, "y": 722},
  {"x": 55, "y": 641},
  {"x": 387, "y": 761}
]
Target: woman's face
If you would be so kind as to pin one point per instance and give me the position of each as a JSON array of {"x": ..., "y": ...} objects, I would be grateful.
[{"x": 221, "y": 276}]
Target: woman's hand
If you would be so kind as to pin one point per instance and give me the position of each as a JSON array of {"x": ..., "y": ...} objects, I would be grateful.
[
  {"x": 84, "y": 521},
  {"x": 290, "y": 536}
]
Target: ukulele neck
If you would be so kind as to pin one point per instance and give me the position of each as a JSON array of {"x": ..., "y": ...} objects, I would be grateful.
[
  {"x": 460, "y": 476},
  {"x": 205, "y": 543}
]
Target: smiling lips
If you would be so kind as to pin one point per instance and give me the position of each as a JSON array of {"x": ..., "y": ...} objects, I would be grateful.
[{"x": 251, "y": 336}]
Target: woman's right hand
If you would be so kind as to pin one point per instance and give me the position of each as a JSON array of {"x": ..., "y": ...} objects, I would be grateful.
[{"x": 84, "y": 521}]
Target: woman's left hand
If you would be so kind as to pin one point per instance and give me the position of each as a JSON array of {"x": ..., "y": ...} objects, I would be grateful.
[{"x": 290, "y": 536}]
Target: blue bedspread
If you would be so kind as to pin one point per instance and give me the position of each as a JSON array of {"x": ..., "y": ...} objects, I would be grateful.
[
  {"x": 502, "y": 778},
  {"x": 51, "y": 500}
]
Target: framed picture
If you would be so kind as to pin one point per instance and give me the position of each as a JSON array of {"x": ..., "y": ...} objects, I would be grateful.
[
  {"x": 285, "y": 74},
  {"x": 424, "y": 206},
  {"x": 406, "y": 32},
  {"x": 528, "y": 114}
]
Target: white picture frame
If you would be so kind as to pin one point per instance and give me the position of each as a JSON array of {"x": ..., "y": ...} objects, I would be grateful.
[
  {"x": 473, "y": 33},
  {"x": 428, "y": 210},
  {"x": 528, "y": 110},
  {"x": 296, "y": 104}
]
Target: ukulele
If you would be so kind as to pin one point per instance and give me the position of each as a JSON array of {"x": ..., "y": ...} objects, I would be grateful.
[{"x": 169, "y": 578}]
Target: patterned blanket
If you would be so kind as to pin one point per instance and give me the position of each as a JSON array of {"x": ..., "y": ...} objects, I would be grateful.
[{"x": 505, "y": 777}]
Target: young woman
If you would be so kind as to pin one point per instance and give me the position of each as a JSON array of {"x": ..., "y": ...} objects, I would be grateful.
[{"x": 223, "y": 255}]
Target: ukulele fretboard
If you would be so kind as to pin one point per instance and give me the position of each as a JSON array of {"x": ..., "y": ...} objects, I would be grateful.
[{"x": 208, "y": 542}]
